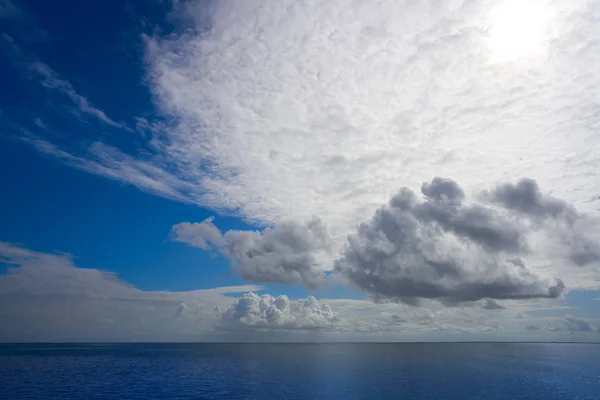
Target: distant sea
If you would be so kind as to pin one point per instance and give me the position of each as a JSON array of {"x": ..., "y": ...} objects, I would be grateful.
[{"x": 485, "y": 371}]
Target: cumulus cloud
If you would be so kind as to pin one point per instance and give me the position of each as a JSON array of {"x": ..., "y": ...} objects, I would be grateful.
[
  {"x": 576, "y": 230},
  {"x": 199, "y": 234},
  {"x": 252, "y": 311},
  {"x": 439, "y": 247},
  {"x": 287, "y": 253},
  {"x": 526, "y": 197}
]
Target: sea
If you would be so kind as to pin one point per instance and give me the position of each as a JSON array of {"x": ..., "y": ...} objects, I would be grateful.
[{"x": 485, "y": 371}]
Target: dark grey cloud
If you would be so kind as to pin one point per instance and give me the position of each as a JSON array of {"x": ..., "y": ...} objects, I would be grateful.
[
  {"x": 443, "y": 189},
  {"x": 492, "y": 305},
  {"x": 575, "y": 324},
  {"x": 525, "y": 197},
  {"x": 286, "y": 253},
  {"x": 433, "y": 245},
  {"x": 440, "y": 248}
]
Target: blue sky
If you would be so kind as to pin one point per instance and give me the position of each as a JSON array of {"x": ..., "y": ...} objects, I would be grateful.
[
  {"x": 125, "y": 127},
  {"x": 49, "y": 203}
]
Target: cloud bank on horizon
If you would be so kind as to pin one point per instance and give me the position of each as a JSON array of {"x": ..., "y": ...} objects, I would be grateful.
[{"x": 46, "y": 297}]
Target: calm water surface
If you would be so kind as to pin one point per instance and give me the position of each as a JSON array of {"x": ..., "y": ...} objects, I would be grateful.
[{"x": 301, "y": 371}]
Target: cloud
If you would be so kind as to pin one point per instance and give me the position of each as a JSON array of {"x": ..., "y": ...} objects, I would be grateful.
[
  {"x": 575, "y": 324},
  {"x": 493, "y": 305},
  {"x": 281, "y": 111},
  {"x": 203, "y": 235},
  {"x": 276, "y": 115},
  {"x": 287, "y": 253},
  {"x": 570, "y": 324},
  {"x": 45, "y": 297},
  {"x": 9, "y": 11},
  {"x": 532, "y": 328},
  {"x": 50, "y": 79},
  {"x": 108, "y": 161},
  {"x": 437, "y": 246},
  {"x": 295, "y": 116},
  {"x": 526, "y": 197},
  {"x": 251, "y": 311},
  {"x": 441, "y": 248}
]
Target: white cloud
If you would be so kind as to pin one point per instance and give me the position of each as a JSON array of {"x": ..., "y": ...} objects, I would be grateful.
[
  {"x": 109, "y": 162},
  {"x": 268, "y": 312},
  {"x": 300, "y": 108},
  {"x": 281, "y": 111},
  {"x": 287, "y": 253},
  {"x": 50, "y": 79},
  {"x": 284, "y": 110}
]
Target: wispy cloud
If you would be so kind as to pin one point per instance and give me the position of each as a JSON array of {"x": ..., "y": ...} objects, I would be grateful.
[
  {"x": 9, "y": 11},
  {"x": 103, "y": 160},
  {"x": 50, "y": 79}
]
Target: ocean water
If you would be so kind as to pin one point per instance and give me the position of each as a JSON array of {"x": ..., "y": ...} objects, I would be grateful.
[{"x": 301, "y": 371}]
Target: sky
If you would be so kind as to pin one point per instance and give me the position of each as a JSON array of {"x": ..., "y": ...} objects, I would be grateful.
[{"x": 299, "y": 170}]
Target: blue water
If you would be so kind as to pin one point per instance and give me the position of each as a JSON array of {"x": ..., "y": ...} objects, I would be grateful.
[{"x": 301, "y": 371}]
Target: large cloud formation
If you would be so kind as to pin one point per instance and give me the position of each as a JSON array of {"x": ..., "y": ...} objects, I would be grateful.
[
  {"x": 441, "y": 247},
  {"x": 287, "y": 109},
  {"x": 287, "y": 253},
  {"x": 278, "y": 111},
  {"x": 435, "y": 246}
]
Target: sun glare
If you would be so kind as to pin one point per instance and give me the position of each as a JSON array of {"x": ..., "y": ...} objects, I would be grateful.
[{"x": 518, "y": 29}]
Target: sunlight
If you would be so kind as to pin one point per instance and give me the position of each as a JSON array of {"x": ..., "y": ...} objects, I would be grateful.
[{"x": 518, "y": 29}]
